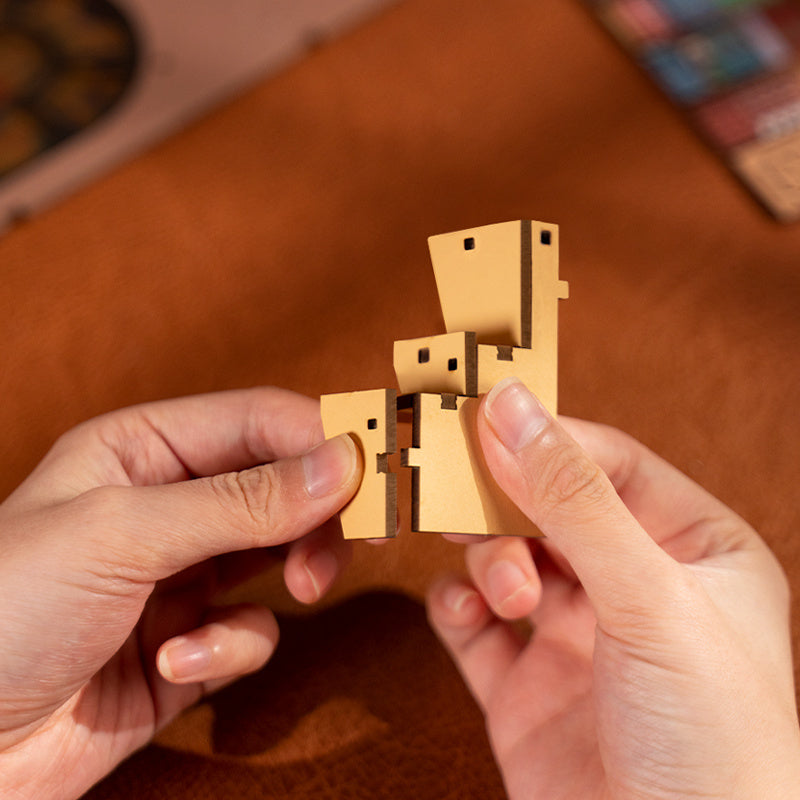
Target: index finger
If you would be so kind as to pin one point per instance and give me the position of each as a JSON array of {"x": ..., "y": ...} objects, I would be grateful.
[{"x": 175, "y": 440}]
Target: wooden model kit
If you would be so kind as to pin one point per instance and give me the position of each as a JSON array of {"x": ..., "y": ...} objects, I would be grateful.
[{"x": 499, "y": 290}]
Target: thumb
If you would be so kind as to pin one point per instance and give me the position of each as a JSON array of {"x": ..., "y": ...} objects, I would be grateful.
[
  {"x": 571, "y": 500},
  {"x": 149, "y": 533}
]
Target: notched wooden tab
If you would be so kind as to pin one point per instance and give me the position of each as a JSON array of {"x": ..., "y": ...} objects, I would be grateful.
[
  {"x": 444, "y": 363},
  {"x": 370, "y": 418},
  {"x": 537, "y": 373},
  {"x": 452, "y": 488},
  {"x": 479, "y": 279}
]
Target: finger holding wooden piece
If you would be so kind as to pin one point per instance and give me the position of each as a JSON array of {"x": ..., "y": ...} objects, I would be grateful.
[
  {"x": 499, "y": 289},
  {"x": 370, "y": 418}
]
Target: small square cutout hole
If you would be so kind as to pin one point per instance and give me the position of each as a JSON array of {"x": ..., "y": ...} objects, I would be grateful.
[
  {"x": 424, "y": 355},
  {"x": 469, "y": 243},
  {"x": 452, "y": 365},
  {"x": 546, "y": 237},
  {"x": 372, "y": 424}
]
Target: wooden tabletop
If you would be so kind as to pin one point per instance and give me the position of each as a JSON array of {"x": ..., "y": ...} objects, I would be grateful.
[{"x": 282, "y": 240}]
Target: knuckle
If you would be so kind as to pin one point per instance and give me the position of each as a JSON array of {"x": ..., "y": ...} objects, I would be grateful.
[
  {"x": 569, "y": 478},
  {"x": 248, "y": 495},
  {"x": 103, "y": 503},
  {"x": 99, "y": 519}
]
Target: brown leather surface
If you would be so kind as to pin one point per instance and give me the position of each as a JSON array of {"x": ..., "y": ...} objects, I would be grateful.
[
  {"x": 358, "y": 702},
  {"x": 283, "y": 240}
]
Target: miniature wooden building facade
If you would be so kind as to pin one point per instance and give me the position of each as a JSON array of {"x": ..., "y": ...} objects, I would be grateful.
[{"x": 499, "y": 289}]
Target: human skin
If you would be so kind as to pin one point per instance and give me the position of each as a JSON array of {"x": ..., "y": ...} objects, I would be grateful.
[
  {"x": 111, "y": 556},
  {"x": 660, "y": 663}
]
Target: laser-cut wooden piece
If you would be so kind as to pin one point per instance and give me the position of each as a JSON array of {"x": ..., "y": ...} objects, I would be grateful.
[
  {"x": 370, "y": 417},
  {"x": 444, "y": 363},
  {"x": 538, "y": 374},
  {"x": 452, "y": 488},
  {"x": 502, "y": 282},
  {"x": 486, "y": 278},
  {"x": 499, "y": 289}
]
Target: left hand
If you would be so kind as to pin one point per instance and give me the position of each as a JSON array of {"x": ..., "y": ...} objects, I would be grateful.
[{"x": 111, "y": 554}]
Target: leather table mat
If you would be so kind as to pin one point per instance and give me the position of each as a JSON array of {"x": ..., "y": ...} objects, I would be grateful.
[{"x": 282, "y": 240}]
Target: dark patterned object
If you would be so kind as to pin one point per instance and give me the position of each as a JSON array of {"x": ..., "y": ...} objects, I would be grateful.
[{"x": 63, "y": 65}]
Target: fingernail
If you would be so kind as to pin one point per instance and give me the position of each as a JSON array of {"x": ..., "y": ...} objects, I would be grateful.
[
  {"x": 328, "y": 466},
  {"x": 321, "y": 568},
  {"x": 505, "y": 580},
  {"x": 183, "y": 659},
  {"x": 514, "y": 414},
  {"x": 457, "y": 597}
]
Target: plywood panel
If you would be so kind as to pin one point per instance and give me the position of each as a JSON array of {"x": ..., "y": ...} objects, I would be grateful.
[
  {"x": 370, "y": 417},
  {"x": 443, "y": 363},
  {"x": 453, "y": 490}
]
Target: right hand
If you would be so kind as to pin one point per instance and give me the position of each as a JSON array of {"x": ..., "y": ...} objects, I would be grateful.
[{"x": 660, "y": 663}]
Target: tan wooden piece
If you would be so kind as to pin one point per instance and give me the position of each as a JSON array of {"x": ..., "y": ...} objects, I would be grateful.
[
  {"x": 499, "y": 288},
  {"x": 478, "y": 278},
  {"x": 452, "y": 488},
  {"x": 370, "y": 417},
  {"x": 538, "y": 374},
  {"x": 487, "y": 276},
  {"x": 444, "y": 363}
]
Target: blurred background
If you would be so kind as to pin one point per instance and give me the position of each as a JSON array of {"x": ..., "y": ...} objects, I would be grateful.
[{"x": 271, "y": 229}]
